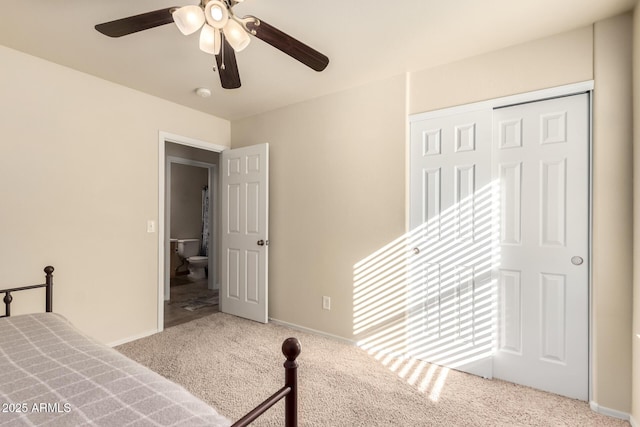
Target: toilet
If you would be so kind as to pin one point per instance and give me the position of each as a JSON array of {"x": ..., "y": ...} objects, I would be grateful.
[{"x": 189, "y": 249}]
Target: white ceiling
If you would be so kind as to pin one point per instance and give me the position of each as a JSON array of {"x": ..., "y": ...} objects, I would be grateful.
[{"x": 364, "y": 40}]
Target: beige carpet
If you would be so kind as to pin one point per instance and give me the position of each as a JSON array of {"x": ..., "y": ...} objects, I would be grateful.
[{"x": 234, "y": 364}]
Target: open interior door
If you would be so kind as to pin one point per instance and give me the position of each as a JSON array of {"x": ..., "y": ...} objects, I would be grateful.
[{"x": 244, "y": 232}]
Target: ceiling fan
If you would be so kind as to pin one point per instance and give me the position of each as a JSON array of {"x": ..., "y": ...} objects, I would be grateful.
[{"x": 222, "y": 33}]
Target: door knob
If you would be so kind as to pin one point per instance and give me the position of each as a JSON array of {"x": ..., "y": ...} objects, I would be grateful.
[
  {"x": 416, "y": 251},
  {"x": 576, "y": 260},
  {"x": 263, "y": 243}
]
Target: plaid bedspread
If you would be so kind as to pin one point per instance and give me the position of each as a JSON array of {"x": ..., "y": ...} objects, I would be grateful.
[{"x": 53, "y": 375}]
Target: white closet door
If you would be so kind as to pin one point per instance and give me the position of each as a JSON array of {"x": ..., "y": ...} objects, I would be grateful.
[
  {"x": 541, "y": 164},
  {"x": 450, "y": 295}
]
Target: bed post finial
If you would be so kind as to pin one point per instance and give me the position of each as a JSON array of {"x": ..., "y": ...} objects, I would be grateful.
[
  {"x": 291, "y": 349},
  {"x": 49, "y": 288}
]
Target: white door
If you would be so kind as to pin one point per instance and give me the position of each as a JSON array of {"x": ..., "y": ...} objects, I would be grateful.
[
  {"x": 541, "y": 160},
  {"x": 450, "y": 294},
  {"x": 244, "y": 232}
]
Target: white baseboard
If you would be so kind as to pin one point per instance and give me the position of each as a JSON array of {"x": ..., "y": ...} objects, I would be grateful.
[
  {"x": 633, "y": 422},
  {"x": 609, "y": 412},
  {"x": 132, "y": 338},
  {"x": 311, "y": 331}
]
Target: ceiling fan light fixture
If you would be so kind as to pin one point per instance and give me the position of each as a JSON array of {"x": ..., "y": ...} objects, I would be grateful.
[
  {"x": 216, "y": 14},
  {"x": 210, "y": 40},
  {"x": 235, "y": 34},
  {"x": 230, "y": 32},
  {"x": 188, "y": 19}
]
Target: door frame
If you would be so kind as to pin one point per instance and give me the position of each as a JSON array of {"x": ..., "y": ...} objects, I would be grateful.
[
  {"x": 522, "y": 98},
  {"x": 163, "y": 240}
]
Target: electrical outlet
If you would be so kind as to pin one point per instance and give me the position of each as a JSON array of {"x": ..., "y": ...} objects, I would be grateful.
[{"x": 326, "y": 303}]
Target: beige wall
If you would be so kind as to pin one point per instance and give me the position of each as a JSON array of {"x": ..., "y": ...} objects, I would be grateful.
[
  {"x": 635, "y": 331},
  {"x": 612, "y": 213},
  {"x": 78, "y": 182},
  {"x": 339, "y": 164},
  {"x": 186, "y": 200},
  {"x": 553, "y": 61},
  {"x": 336, "y": 195}
]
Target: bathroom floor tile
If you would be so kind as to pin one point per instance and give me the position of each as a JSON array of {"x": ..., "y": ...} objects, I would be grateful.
[{"x": 181, "y": 293}]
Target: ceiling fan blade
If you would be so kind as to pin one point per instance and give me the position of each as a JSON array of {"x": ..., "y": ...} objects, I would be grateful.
[
  {"x": 133, "y": 24},
  {"x": 228, "y": 67},
  {"x": 287, "y": 44}
]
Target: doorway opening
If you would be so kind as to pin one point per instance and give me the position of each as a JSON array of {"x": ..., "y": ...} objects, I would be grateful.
[
  {"x": 188, "y": 212},
  {"x": 191, "y": 215}
]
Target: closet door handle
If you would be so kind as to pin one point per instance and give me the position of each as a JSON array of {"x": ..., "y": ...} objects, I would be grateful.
[{"x": 261, "y": 243}]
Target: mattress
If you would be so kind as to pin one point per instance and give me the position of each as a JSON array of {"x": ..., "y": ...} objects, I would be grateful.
[{"x": 52, "y": 374}]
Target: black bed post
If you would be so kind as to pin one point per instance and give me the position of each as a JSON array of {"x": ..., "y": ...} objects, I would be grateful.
[
  {"x": 291, "y": 350},
  {"x": 7, "y": 304},
  {"x": 49, "y": 282}
]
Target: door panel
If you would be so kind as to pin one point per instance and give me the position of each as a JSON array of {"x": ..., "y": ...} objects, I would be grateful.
[
  {"x": 450, "y": 275},
  {"x": 541, "y": 161},
  {"x": 245, "y": 196}
]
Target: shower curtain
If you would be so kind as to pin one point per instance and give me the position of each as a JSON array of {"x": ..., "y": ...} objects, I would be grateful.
[{"x": 204, "y": 245}]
